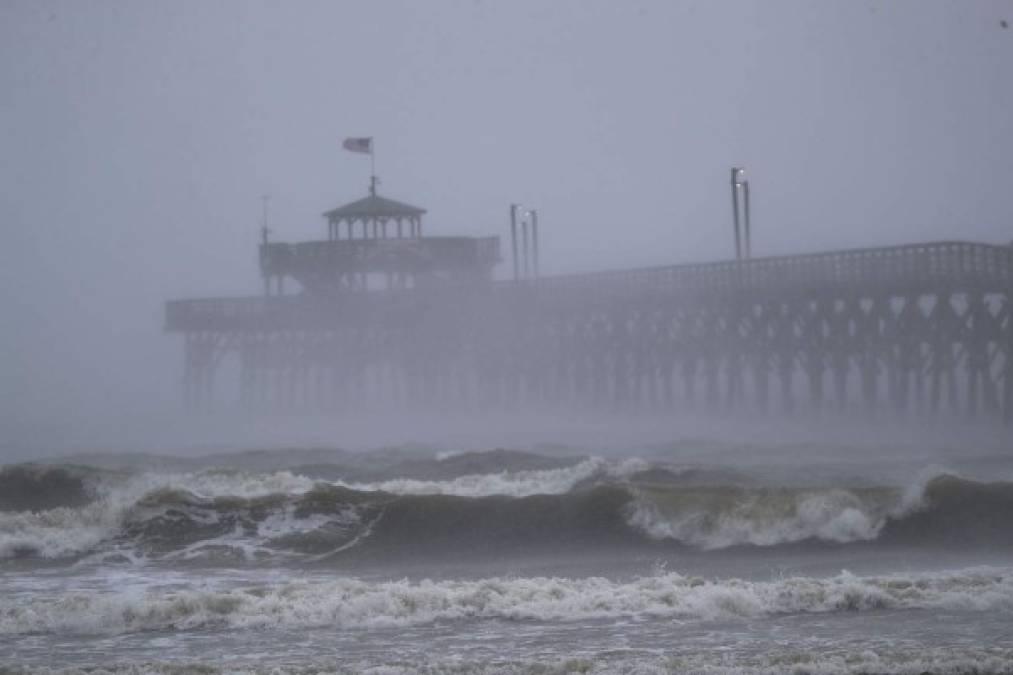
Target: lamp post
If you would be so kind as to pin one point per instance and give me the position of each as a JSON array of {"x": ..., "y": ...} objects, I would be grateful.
[
  {"x": 736, "y": 173},
  {"x": 513, "y": 238},
  {"x": 745, "y": 219},
  {"x": 525, "y": 261},
  {"x": 534, "y": 241},
  {"x": 525, "y": 243}
]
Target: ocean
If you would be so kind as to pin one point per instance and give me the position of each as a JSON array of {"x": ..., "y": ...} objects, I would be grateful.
[{"x": 692, "y": 557}]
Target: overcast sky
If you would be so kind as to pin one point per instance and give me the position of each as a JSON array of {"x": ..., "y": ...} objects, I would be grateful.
[{"x": 137, "y": 138}]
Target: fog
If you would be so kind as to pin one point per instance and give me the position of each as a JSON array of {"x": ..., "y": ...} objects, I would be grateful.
[{"x": 138, "y": 139}]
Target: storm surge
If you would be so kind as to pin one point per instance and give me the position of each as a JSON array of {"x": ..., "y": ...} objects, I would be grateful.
[{"x": 214, "y": 514}]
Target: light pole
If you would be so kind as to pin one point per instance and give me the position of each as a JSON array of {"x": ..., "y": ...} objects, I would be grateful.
[
  {"x": 745, "y": 219},
  {"x": 743, "y": 234},
  {"x": 513, "y": 238},
  {"x": 526, "y": 261},
  {"x": 525, "y": 241},
  {"x": 736, "y": 172},
  {"x": 534, "y": 240}
]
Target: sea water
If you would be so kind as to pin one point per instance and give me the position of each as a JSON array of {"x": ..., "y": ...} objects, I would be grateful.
[{"x": 669, "y": 560}]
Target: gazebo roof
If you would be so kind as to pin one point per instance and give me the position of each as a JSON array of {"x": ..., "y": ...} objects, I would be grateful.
[{"x": 374, "y": 206}]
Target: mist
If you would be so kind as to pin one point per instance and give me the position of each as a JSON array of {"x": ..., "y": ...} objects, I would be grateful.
[
  {"x": 140, "y": 137},
  {"x": 256, "y": 417}
]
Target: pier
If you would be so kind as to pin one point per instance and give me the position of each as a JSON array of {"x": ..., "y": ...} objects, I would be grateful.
[{"x": 382, "y": 317}]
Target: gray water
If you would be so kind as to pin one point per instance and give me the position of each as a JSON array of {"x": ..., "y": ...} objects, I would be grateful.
[{"x": 685, "y": 558}]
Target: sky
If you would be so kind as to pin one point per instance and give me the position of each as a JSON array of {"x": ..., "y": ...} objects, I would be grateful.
[{"x": 138, "y": 138}]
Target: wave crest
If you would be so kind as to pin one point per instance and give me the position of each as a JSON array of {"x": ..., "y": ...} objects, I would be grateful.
[
  {"x": 713, "y": 519},
  {"x": 242, "y": 516}
]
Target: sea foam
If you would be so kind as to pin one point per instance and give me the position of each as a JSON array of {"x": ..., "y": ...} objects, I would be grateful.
[
  {"x": 511, "y": 484},
  {"x": 349, "y": 603}
]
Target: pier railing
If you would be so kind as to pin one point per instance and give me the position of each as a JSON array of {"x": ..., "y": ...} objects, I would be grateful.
[
  {"x": 915, "y": 266},
  {"x": 900, "y": 269}
]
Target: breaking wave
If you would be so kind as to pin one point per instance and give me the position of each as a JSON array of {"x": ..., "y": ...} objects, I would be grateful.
[
  {"x": 235, "y": 515},
  {"x": 351, "y": 603},
  {"x": 715, "y": 519},
  {"x": 67, "y": 530},
  {"x": 941, "y": 509}
]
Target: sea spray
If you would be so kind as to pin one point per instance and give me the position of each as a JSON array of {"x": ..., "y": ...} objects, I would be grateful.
[{"x": 354, "y": 603}]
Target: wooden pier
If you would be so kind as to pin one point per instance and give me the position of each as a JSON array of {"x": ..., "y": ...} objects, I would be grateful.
[{"x": 915, "y": 331}]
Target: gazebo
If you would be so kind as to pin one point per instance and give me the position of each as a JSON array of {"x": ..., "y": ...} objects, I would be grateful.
[
  {"x": 377, "y": 243},
  {"x": 375, "y": 213}
]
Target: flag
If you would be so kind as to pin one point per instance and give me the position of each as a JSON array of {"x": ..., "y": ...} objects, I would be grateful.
[{"x": 364, "y": 145}]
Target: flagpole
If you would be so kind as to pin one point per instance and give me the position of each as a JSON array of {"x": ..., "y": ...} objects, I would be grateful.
[{"x": 372, "y": 166}]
